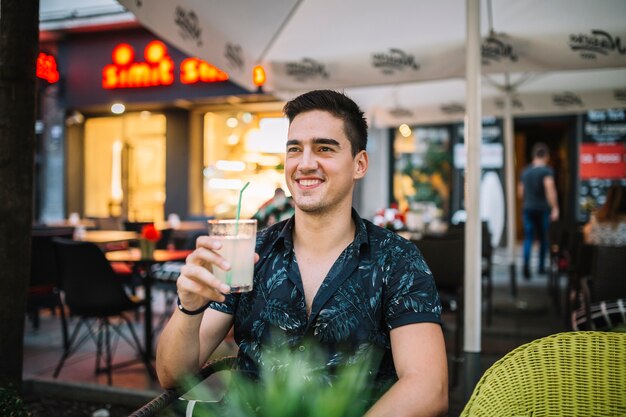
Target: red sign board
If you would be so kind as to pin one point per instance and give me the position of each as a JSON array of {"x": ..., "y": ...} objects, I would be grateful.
[
  {"x": 47, "y": 68},
  {"x": 602, "y": 161},
  {"x": 157, "y": 70}
]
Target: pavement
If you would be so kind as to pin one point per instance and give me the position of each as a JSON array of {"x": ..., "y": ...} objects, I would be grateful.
[{"x": 531, "y": 314}]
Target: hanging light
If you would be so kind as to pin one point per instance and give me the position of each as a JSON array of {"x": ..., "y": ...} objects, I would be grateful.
[
  {"x": 232, "y": 122},
  {"x": 405, "y": 130},
  {"x": 118, "y": 108},
  {"x": 258, "y": 76}
]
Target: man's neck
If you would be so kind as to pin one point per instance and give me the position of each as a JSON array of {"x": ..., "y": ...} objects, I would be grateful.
[{"x": 324, "y": 232}]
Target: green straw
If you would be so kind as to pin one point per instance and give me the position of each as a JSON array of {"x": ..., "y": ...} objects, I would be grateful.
[
  {"x": 229, "y": 274},
  {"x": 239, "y": 208}
]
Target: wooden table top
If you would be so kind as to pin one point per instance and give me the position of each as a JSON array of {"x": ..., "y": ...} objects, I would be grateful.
[
  {"x": 108, "y": 236},
  {"x": 134, "y": 255}
]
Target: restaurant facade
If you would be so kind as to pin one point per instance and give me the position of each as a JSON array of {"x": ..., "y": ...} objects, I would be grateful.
[
  {"x": 187, "y": 139},
  {"x": 136, "y": 129}
]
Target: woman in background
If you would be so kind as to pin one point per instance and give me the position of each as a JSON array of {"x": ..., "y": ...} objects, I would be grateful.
[{"x": 607, "y": 227}]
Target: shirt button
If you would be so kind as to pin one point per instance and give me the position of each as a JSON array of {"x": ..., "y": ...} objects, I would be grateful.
[{"x": 301, "y": 348}]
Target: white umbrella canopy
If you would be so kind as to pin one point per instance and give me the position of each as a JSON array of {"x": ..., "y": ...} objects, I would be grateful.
[
  {"x": 308, "y": 44},
  {"x": 405, "y": 61}
]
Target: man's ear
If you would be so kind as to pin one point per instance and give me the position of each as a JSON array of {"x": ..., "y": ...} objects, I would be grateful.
[{"x": 361, "y": 161}]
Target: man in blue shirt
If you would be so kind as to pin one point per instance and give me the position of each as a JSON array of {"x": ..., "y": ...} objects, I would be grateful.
[{"x": 324, "y": 277}]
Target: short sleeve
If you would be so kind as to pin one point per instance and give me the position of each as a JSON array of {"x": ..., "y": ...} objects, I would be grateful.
[
  {"x": 410, "y": 294},
  {"x": 228, "y": 306}
]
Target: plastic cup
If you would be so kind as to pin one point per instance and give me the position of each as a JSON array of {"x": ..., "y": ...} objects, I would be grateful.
[{"x": 238, "y": 238}]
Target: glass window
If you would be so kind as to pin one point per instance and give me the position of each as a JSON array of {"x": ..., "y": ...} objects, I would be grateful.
[
  {"x": 241, "y": 147},
  {"x": 422, "y": 171},
  {"x": 125, "y": 166}
]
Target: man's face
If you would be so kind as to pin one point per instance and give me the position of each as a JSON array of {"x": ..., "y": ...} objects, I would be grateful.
[{"x": 319, "y": 167}]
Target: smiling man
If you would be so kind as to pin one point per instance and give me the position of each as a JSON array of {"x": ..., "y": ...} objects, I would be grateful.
[{"x": 324, "y": 278}]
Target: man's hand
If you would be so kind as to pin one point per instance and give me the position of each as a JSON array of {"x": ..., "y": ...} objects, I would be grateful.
[
  {"x": 554, "y": 214},
  {"x": 196, "y": 284}
]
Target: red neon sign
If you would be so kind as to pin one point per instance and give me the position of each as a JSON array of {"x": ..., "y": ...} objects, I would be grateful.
[
  {"x": 47, "y": 68},
  {"x": 125, "y": 73},
  {"x": 602, "y": 161},
  {"x": 194, "y": 70},
  {"x": 158, "y": 69}
]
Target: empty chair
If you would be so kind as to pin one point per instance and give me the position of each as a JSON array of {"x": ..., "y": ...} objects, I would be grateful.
[
  {"x": 605, "y": 286},
  {"x": 566, "y": 374},
  {"x": 446, "y": 260},
  {"x": 96, "y": 295},
  {"x": 44, "y": 290},
  {"x": 107, "y": 223},
  {"x": 458, "y": 232}
]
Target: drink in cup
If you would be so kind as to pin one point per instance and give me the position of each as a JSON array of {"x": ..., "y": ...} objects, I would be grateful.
[{"x": 238, "y": 239}]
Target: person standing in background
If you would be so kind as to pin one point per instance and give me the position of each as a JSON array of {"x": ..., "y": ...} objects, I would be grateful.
[{"x": 540, "y": 205}]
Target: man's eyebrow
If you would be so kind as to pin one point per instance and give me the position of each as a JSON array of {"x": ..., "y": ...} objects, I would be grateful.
[
  {"x": 325, "y": 141},
  {"x": 316, "y": 141}
]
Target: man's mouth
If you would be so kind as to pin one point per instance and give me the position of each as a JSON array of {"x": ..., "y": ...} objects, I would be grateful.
[{"x": 309, "y": 182}]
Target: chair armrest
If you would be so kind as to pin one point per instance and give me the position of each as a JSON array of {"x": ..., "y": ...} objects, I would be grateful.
[{"x": 169, "y": 396}]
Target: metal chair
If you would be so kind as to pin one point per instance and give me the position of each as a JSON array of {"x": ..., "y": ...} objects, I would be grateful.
[
  {"x": 602, "y": 316},
  {"x": 96, "y": 295},
  {"x": 566, "y": 374},
  {"x": 602, "y": 290},
  {"x": 170, "y": 396}
]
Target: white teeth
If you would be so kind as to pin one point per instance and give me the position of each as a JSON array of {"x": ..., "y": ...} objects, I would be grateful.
[{"x": 307, "y": 183}]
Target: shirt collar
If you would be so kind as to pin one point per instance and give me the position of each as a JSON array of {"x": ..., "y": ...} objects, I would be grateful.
[{"x": 360, "y": 239}]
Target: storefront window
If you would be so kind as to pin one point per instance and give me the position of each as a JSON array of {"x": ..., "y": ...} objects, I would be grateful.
[
  {"x": 602, "y": 158},
  {"x": 125, "y": 166},
  {"x": 422, "y": 169},
  {"x": 241, "y": 147}
]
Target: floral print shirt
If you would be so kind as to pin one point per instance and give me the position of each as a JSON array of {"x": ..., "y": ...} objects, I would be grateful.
[{"x": 378, "y": 283}]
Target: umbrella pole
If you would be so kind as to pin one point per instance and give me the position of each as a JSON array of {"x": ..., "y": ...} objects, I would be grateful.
[
  {"x": 510, "y": 184},
  {"x": 473, "y": 235}
]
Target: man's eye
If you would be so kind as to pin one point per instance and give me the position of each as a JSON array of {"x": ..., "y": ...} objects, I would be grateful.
[
  {"x": 292, "y": 149},
  {"x": 325, "y": 149}
]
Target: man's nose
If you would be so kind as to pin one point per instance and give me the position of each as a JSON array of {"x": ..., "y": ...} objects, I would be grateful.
[{"x": 308, "y": 161}]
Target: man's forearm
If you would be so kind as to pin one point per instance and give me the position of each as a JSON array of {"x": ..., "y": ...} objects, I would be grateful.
[
  {"x": 552, "y": 199},
  {"x": 179, "y": 348},
  {"x": 412, "y": 396}
]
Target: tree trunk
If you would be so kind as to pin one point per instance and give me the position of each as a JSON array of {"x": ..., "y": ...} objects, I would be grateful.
[{"x": 19, "y": 37}]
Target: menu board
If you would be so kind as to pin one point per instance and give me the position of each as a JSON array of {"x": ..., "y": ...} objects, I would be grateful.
[{"x": 602, "y": 160}]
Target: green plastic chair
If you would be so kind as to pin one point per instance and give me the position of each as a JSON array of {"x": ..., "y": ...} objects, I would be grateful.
[{"x": 567, "y": 374}]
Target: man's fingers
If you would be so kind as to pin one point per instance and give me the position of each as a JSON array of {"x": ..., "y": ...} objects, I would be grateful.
[
  {"x": 196, "y": 277},
  {"x": 207, "y": 258}
]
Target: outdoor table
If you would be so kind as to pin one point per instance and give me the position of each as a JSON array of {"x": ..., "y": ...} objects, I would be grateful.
[
  {"x": 86, "y": 223},
  {"x": 107, "y": 236},
  {"x": 133, "y": 256}
]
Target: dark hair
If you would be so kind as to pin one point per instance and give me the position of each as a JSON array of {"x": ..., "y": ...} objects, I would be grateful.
[
  {"x": 540, "y": 150},
  {"x": 615, "y": 204},
  {"x": 340, "y": 106}
]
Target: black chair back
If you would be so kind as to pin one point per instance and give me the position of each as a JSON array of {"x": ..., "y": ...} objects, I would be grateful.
[
  {"x": 44, "y": 270},
  {"x": 91, "y": 287},
  {"x": 608, "y": 273},
  {"x": 446, "y": 260}
]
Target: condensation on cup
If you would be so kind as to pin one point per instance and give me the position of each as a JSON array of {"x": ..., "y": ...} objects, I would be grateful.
[{"x": 238, "y": 240}]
